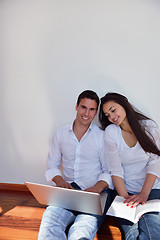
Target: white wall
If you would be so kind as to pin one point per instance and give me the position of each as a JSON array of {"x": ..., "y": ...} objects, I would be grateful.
[{"x": 50, "y": 51}]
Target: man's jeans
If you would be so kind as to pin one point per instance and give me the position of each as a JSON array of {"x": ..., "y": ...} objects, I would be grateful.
[
  {"x": 147, "y": 228},
  {"x": 84, "y": 226}
]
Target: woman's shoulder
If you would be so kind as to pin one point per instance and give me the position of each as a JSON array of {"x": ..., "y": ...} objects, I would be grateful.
[
  {"x": 112, "y": 129},
  {"x": 148, "y": 123},
  {"x": 152, "y": 128}
]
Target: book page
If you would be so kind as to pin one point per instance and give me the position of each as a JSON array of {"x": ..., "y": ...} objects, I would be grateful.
[
  {"x": 150, "y": 206},
  {"x": 119, "y": 209}
]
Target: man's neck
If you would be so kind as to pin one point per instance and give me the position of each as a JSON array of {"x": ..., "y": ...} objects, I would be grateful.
[{"x": 79, "y": 130}]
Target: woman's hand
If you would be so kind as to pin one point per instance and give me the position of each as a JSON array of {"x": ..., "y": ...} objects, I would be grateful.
[
  {"x": 141, "y": 198},
  {"x": 135, "y": 200}
]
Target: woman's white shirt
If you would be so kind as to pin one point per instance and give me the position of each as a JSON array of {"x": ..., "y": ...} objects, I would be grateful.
[{"x": 131, "y": 163}]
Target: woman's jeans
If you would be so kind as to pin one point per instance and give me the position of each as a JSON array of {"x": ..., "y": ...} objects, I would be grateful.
[
  {"x": 147, "y": 228},
  {"x": 82, "y": 226}
]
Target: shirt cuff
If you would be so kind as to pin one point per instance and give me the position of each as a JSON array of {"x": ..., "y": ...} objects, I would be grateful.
[
  {"x": 51, "y": 173},
  {"x": 107, "y": 178}
]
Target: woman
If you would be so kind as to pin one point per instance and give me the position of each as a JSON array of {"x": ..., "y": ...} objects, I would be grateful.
[{"x": 132, "y": 143}]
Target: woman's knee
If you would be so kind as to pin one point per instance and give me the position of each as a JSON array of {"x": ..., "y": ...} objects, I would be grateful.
[{"x": 149, "y": 226}]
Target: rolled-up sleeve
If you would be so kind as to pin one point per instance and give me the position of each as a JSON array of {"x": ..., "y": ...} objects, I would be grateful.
[{"x": 107, "y": 178}]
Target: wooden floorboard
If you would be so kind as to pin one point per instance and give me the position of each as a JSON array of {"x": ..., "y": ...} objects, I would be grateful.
[{"x": 20, "y": 217}]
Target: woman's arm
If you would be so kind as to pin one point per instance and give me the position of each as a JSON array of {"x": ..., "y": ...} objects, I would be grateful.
[
  {"x": 134, "y": 200},
  {"x": 120, "y": 186}
]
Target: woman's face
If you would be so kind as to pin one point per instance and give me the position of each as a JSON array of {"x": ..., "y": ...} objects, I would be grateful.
[{"x": 114, "y": 112}]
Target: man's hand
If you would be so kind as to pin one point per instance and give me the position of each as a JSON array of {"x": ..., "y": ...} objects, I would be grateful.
[
  {"x": 98, "y": 187},
  {"x": 59, "y": 181}
]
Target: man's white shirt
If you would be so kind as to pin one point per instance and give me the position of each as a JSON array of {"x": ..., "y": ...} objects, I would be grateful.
[{"x": 82, "y": 161}]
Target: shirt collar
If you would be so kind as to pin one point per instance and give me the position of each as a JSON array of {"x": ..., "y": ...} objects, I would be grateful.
[{"x": 89, "y": 129}]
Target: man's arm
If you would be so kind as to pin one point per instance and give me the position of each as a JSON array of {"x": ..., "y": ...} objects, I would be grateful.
[
  {"x": 60, "y": 182},
  {"x": 105, "y": 176},
  {"x": 54, "y": 158},
  {"x": 98, "y": 187}
]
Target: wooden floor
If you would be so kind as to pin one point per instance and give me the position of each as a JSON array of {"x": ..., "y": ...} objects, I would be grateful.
[{"x": 20, "y": 217}]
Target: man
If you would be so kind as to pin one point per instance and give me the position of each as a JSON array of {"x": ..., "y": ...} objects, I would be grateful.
[{"x": 80, "y": 147}]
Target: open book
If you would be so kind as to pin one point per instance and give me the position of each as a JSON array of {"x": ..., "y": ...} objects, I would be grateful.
[{"x": 119, "y": 209}]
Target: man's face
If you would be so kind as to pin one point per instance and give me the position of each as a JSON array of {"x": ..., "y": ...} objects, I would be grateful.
[{"x": 86, "y": 111}]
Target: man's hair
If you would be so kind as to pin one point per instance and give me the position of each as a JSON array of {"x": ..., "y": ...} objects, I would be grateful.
[{"x": 90, "y": 95}]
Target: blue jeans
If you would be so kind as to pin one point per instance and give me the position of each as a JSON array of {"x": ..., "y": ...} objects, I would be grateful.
[
  {"x": 147, "y": 228},
  {"x": 83, "y": 226}
]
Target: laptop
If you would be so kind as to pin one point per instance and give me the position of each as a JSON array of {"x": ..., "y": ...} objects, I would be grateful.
[{"x": 77, "y": 200}]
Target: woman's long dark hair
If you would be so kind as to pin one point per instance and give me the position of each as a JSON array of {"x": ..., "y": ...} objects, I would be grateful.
[{"x": 133, "y": 115}]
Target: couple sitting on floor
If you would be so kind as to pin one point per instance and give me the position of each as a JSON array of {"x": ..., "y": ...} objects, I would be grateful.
[{"x": 122, "y": 157}]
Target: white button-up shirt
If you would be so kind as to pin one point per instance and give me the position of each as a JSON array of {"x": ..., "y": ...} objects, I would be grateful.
[
  {"x": 131, "y": 164},
  {"x": 82, "y": 161}
]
